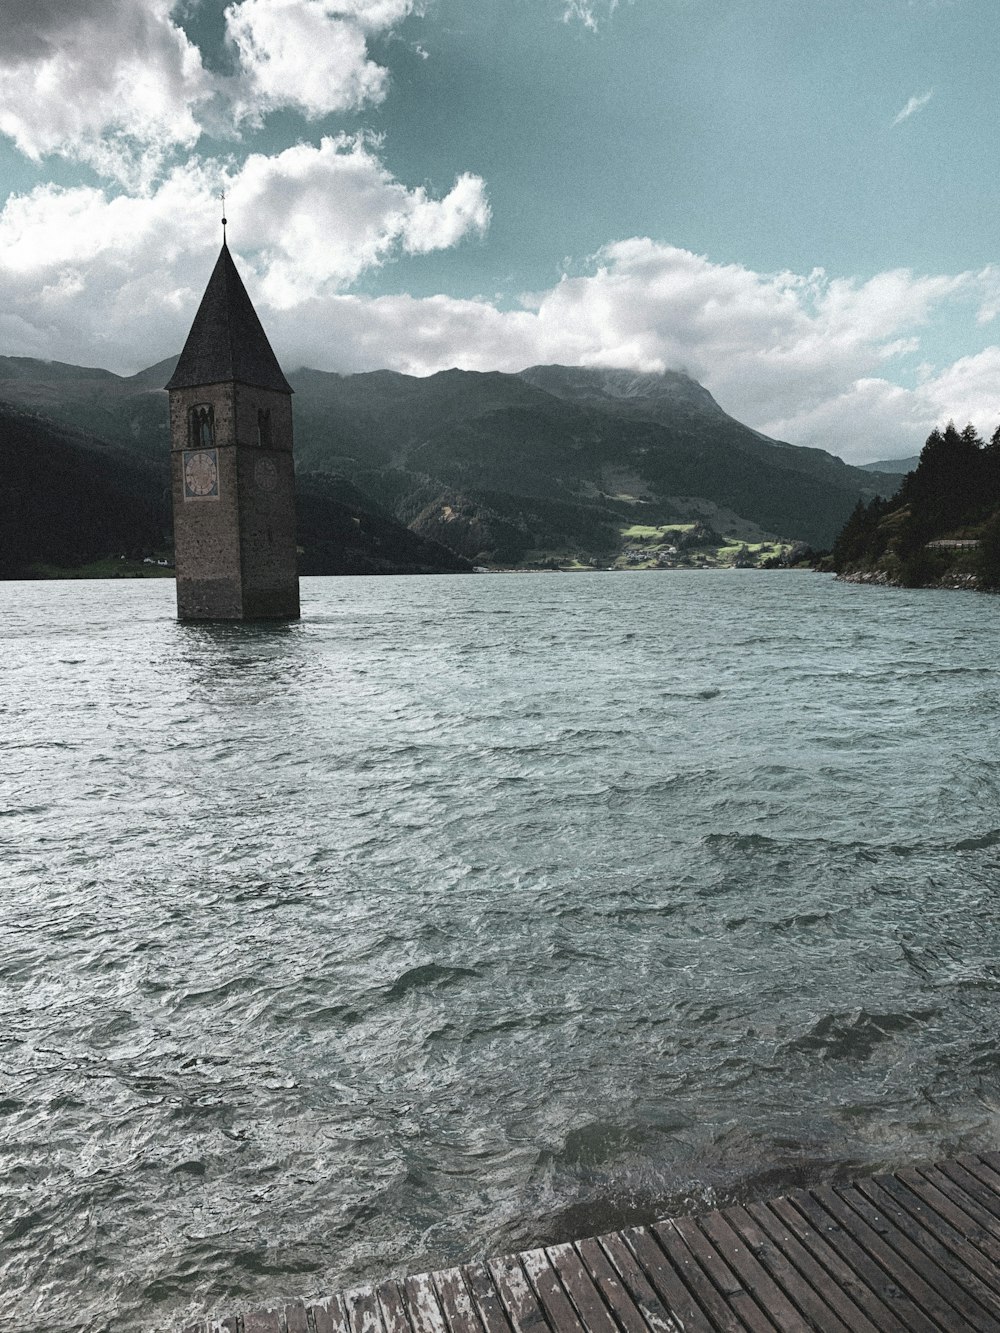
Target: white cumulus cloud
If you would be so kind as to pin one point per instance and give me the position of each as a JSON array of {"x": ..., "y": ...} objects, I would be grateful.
[
  {"x": 117, "y": 84},
  {"x": 316, "y": 218},
  {"x": 99, "y": 80},
  {"x": 309, "y": 54},
  {"x": 87, "y": 274}
]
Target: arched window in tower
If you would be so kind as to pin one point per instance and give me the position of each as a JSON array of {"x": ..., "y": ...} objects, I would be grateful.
[
  {"x": 264, "y": 427},
  {"x": 201, "y": 426}
]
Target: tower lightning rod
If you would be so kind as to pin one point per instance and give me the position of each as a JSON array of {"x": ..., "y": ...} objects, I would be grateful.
[{"x": 222, "y": 196}]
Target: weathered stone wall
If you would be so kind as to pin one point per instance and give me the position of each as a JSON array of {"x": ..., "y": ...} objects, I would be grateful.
[
  {"x": 247, "y": 402},
  {"x": 267, "y": 533},
  {"x": 267, "y": 505},
  {"x": 235, "y": 551},
  {"x": 206, "y": 530}
]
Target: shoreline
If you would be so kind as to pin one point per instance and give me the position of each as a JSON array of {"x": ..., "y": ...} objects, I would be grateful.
[{"x": 954, "y": 582}]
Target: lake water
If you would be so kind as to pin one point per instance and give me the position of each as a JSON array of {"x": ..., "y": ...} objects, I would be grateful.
[{"x": 476, "y": 912}]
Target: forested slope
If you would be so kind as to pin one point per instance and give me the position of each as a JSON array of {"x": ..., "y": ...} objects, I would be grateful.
[{"x": 943, "y": 526}]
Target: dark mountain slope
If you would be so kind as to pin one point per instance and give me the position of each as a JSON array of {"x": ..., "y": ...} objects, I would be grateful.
[
  {"x": 686, "y": 407},
  {"x": 70, "y": 498},
  {"x": 340, "y": 531},
  {"x": 593, "y": 439},
  {"x": 622, "y": 390},
  {"x": 127, "y": 410},
  {"x": 556, "y": 458},
  {"x": 378, "y": 417},
  {"x": 895, "y": 466}
]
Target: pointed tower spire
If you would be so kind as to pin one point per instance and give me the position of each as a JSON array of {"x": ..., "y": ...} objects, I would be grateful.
[{"x": 227, "y": 341}]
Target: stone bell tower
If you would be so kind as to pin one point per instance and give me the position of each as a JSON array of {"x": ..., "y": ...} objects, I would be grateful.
[{"x": 231, "y": 464}]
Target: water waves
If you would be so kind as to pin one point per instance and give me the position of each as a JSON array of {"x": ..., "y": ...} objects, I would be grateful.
[{"x": 475, "y": 913}]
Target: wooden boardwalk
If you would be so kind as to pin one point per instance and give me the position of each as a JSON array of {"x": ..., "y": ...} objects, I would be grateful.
[{"x": 913, "y": 1252}]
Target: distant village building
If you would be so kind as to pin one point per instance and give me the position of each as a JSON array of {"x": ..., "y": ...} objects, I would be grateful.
[{"x": 231, "y": 462}]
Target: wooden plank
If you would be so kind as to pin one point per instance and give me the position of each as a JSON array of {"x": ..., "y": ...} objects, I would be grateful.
[
  {"x": 976, "y": 1179},
  {"x": 422, "y": 1304},
  {"x": 662, "y": 1276},
  {"x": 487, "y": 1298},
  {"x": 456, "y": 1302},
  {"x": 392, "y": 1308},
  {"x": 929, "y": 1227},
  {"x": 363, "y": 1315},
  {"x": 747, "y": 1267},
  {"x": 957, "y": 1200},
  {"x": 791, "y": 1281},
  {"x": 296, "y": 1320},
  {"x": 262, "y": 1321},
  {"x": 581, "y": 1290},
  {"x": 520, "y": 1302},
  {"x": 635, "y": 1304},
  {"x": 991, "y": 1160},
  {"x": 330, "y": 1316},
  {"x": 987, "y": 1167},
  {"x": 906, "y": 1318},
  {"x": 844, "y": 1276},
  {"x": 550, "y": 1292},
  {"x": 681, "y": 1238},
  {"x": 874, "y": 1233},
  {"x": 836, "y": 1294},
  {"x": 956, "y": 1208},
  {"x": 923, "y": 1244}
]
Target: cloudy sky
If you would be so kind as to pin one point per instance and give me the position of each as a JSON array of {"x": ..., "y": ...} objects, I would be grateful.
[{"x": 793, "y": 200}]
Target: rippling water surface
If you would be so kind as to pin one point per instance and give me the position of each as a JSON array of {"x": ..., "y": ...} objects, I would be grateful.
[{"x": 475, "y": 912}]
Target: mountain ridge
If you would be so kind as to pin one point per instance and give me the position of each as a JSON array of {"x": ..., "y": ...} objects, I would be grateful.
[
  {"x": 551, "y": 462},
  {"x": 893, "y": 466}
]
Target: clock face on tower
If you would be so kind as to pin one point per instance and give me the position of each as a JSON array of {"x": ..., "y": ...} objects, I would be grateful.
[
  {"x": 201, "y": 474},
  {"x": 265, "y": 474}
]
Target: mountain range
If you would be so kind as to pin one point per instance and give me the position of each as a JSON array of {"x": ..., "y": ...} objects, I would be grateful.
[{"x": 552, "y": 463}]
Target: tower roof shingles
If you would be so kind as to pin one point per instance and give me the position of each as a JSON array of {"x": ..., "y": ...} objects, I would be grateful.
[{"x": 227, "y": 341}]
